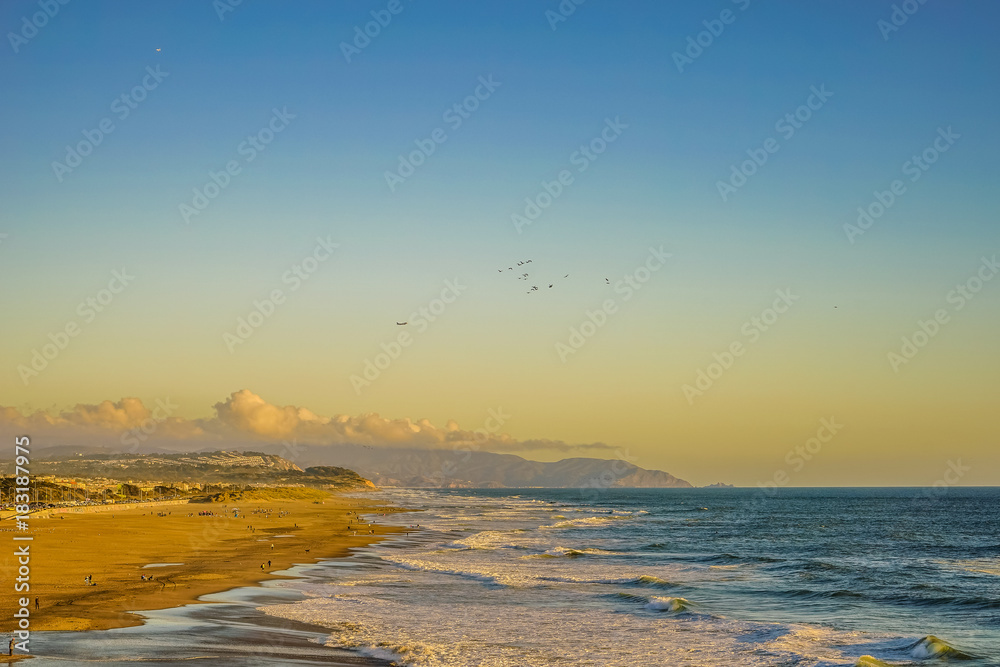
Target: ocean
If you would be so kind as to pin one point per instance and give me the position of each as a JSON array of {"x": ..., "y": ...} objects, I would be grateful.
[
  {"x": 629, "y": 577},
  {"x": 803, "y": 577}
]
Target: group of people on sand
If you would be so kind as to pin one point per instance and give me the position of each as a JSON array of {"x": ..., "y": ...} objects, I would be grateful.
[
  {"x": 354, "y": 529},
  {"x": 89, "y": 580},
  {"x": 268, "y": 511}
]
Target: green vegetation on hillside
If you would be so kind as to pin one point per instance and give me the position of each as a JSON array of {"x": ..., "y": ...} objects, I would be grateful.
[
  {"x": 172, "y": 470},
  {"x": 270, "y": 493}
]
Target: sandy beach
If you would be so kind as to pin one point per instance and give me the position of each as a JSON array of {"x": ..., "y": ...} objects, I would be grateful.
[{"x": 156, "y": 558}]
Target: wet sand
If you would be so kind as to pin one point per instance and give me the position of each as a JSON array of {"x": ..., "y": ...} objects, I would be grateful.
[
  {"x": 215, "y": 553},
  {"x": 223, "y": 630}
]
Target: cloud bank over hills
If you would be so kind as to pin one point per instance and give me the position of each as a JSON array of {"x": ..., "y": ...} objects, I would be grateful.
[
  {"x": 391, "y": 452},
  {"x": 245, "y": 418}
]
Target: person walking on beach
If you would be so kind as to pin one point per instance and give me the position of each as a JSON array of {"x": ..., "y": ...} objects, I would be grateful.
[
  {"x": 36, "y": 603},
  {"x": 10, "y": 647}
]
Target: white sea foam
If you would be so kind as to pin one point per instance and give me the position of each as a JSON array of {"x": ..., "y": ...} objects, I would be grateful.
[
  {"x": 513, "y": 589},
  {"x": 487, "y": 539},
  {"x": 430, "y": 633},
  {"x": 588, "y": 522},
  {"x": 667, "y": 604},
  {"x": 933, "y": 647}
]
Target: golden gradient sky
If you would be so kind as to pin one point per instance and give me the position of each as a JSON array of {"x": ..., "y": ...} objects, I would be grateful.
[{"x": 498, "y": 346}]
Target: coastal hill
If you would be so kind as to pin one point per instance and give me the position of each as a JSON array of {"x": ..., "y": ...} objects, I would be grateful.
[
  {"x": 445, "y": 468},
  {"x": 349, "y": 466},
  {"x": 218, "y": 468}
]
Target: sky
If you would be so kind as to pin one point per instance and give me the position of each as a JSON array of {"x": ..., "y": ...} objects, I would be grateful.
[{"x": 696, "y": 169}]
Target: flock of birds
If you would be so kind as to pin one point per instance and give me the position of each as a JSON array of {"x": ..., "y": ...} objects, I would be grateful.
[{"x": 524, "y": 277}]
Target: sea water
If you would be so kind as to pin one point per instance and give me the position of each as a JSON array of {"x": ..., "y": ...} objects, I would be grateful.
[{"x": 809, "y": 577}]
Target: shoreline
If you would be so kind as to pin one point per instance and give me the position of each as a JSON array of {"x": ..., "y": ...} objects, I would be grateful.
[
  {"x": 226, "y": 629},
  {"x": 147, "y": 561}
]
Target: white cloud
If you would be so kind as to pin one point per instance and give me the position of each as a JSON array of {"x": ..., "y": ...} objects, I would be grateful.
[{"x": 245, "y": 416}]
